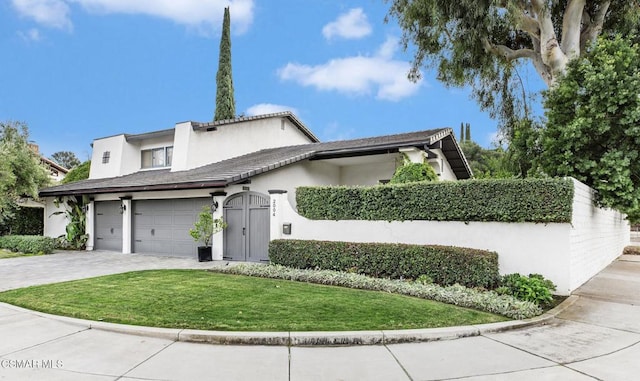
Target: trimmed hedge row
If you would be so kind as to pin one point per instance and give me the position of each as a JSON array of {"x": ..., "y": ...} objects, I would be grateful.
[
  {"x": 446, "y": 265},
  {"x": 25, "y": 221},
  {"x": 501, "y": 200},
  {"x": 28, "y": 244}
]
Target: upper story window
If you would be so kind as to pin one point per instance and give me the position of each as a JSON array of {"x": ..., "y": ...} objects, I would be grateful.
[
  {"x": 106, "y": 155},
  {"x": 157, "y": 157}
]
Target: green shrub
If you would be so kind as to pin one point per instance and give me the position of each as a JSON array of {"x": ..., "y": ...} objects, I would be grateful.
[
  {"x": 76, "y": 237},
  {"x": 502, "y": 200},
  {"x": 534, "y": 288},
  {"x": 28, "y": 244},
  {"x": 81, "y": 172},
  {"x": 445, "y": 265},
  {"x": 24, "y": 221},
  {"x": 414, "y": 172},
  {"x": 489, "y": 301}
]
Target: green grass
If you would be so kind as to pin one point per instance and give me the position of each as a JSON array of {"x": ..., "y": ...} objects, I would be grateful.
[
  {"x": 203, "y": 300},
  {"x": 9, "y": 254}
]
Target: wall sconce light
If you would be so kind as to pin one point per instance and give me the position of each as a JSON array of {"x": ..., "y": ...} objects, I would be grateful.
[
  {"x": 214, "y": 206},
  {"x": 85, "y": 208},
  {"x": 123, "y": 208}
]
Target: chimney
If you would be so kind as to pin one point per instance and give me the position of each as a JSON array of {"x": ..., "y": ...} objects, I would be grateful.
[{"x": 35, "y": 148}]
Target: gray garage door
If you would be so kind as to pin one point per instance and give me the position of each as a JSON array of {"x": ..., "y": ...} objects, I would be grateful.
[
  {"x": 247, "y": 235},
  {"x": 162, "y": 226},
  {"x": 108, "y": 227}
]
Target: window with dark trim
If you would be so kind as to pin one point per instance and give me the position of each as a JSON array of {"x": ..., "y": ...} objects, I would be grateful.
[
  {"x": 157, "y": 157},
  {"x": 106, "y": 155}
]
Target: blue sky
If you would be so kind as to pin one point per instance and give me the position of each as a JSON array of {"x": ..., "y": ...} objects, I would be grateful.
[{"x": 75, "y": 70}]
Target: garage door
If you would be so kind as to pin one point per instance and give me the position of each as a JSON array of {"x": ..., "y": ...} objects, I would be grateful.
[
  {"x": 162, "y": 226},
  {"x": 108, "y": 227}
]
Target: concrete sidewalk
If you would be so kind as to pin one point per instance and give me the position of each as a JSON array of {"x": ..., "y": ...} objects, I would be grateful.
[{"x": 598, "y": 337}]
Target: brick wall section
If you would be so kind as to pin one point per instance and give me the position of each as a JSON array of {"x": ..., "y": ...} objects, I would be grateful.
[{"x": 597, "y": 236}]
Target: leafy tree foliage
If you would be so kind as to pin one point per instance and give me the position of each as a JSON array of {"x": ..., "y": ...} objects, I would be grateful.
[
  {"x": 225, "y": 101},
  {"x": 21, "y": 173},
  {"x": 479, "y": 43},
  {"x": 413, "y": 172},
  {"x": 80, "y": 172},
  {"x": 593, "y": 129},
  {"x": 485, "y": 163},
  {"x": 66, "y": 159}
]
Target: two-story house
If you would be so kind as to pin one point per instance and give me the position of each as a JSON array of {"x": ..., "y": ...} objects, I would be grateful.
[{"x": 145, "y": 190}]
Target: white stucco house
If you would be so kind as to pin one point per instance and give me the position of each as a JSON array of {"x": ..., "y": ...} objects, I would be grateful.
[{"x": 145, "y": 190}]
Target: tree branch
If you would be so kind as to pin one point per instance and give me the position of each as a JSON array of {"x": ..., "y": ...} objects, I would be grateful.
[
  {"x": 508, "y": 53},
  {"x": 571, "y": 25},
  {"x": 539, "y": 65},
  {"x": 594, "y": 27},
  {"x": 530, "y": 25},
  {"x": 552, "y": 55}
]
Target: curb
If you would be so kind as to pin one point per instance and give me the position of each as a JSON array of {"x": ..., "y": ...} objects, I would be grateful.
[{"x": 308, "y": 338}]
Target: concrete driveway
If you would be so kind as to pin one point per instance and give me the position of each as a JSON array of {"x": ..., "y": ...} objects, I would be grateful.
[{"x": 597, "y": 338}]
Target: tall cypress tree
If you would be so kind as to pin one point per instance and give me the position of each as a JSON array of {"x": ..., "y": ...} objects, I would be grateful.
[
  {"x": 225, "y": 101},
  {"x": 467, "y": 137}
]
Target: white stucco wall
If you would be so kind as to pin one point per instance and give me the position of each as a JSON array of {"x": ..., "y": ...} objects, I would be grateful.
[
  {"x": 441, "y": 166},
  {"x": 598, "y": 236},
  {"x": 54, "y": 225},
  {"x": 568, "y": 254},
  {"x": 125, "y": 157},
  {"x": 115, "y": 146},
  {"x": 193, "y": 149},
  {"x": 367, "y": 174}
]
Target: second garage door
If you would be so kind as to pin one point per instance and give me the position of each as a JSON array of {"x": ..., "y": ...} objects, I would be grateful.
[
  {"x": 108, "y": 228},
  {"x": 162, "y": 226}
]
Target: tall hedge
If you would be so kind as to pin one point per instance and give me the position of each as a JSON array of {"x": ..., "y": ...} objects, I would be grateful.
[
  {"x": 446, "y": 265},
  {"x": 501, "y": 200},
  {"x": 26, "y": 221}
]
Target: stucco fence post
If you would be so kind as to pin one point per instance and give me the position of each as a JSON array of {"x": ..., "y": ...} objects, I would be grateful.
[{"x": 567, "y": 253}]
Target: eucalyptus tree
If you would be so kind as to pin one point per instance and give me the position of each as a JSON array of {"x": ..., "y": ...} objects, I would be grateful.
[{"x": 479, "y": 43}]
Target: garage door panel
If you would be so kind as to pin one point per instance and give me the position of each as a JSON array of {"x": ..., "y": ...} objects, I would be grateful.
[
  {"x": 170, "y": 221},
  {"x": 160, "y": 217},
  {"x": 108, "y": 226},
  {"x": 184, "y": 220},
  {"x": 183, "y": 234},
  {"x": 183, "y": 249}
]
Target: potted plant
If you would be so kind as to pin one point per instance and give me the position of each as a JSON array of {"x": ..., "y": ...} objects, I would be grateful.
[{"x": 203, "y": 230}]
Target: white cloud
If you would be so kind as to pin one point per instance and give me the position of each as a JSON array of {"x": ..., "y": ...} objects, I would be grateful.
[
  {"x": 268, "y": 108},
  {"x": 389, "y": 48},
  {"x": 51, "y": 13},
  {"x": 205, "y": 15},
  {"x": 358, "y": 75},
  {"x": 350, "y": 25},
  {"x": 30, "y": 35}
]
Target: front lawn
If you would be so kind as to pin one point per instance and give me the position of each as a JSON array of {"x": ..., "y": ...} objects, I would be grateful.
[
  {"x": 9, "y": 254},
  {"x": 203, "y": 300}
]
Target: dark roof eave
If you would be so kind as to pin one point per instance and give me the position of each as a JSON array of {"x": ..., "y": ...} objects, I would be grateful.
[
  {"x": 371, "y": 150},
  {"x": 134, "y": 189}
]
